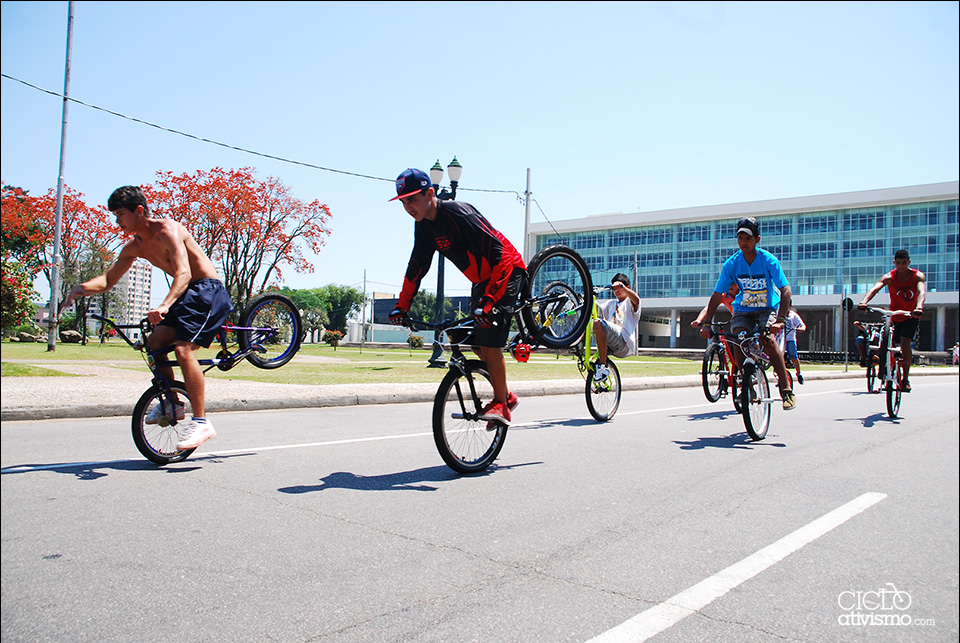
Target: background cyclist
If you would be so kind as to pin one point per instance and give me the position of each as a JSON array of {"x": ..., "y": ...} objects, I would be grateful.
[
  {"x": 908, "y": 290},
  {"x": 763, "y": 300},
  {"x": 617, "y": 327}
]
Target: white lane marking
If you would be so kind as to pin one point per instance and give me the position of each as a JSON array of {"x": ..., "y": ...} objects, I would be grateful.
[{"x": 657, "y": 619}]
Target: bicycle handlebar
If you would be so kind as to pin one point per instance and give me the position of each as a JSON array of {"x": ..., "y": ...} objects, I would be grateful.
[{"x": 885, "y": 311}]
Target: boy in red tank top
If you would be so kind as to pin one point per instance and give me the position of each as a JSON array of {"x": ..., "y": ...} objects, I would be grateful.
[{"x": 908, "y": 289}]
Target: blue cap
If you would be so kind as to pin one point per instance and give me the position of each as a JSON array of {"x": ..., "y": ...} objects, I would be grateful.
[{"x": 410, "y": 182}]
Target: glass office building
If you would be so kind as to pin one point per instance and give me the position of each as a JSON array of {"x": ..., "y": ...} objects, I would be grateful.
[{"x": 830, "y": 246}]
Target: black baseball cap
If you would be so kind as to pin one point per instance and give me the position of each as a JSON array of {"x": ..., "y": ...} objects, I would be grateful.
[{"x": 748, "y": 225}]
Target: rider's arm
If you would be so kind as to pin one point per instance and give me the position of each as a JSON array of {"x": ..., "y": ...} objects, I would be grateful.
[
  {"x": 877, "y": 287},
  {"x": 170, "y": 241},
  {"x": 921, "y": 294},
  {"x": 103, "y": 283}
]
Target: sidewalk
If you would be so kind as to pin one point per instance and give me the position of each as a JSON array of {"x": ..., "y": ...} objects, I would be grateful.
[{"x": 106, "y": 391}]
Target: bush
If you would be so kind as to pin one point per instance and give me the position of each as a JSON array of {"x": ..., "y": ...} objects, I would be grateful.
[
  {"x": 332, "y": 337},
  {"x": 415, "y": 341}
]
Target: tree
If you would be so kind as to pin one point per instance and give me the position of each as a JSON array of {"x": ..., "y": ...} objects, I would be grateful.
[
  {"x": 340, "y": 302},
  {"x": 424, "y": 306},
  {"x": 311, "y": 309},
  {"x": 16, "y": 295},
  {"x": 21, "y": 231},
  {"x": 252, "y": 230}
]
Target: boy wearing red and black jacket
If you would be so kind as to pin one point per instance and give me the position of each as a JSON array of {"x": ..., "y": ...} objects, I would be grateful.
[{"x": 462, "y": 235}]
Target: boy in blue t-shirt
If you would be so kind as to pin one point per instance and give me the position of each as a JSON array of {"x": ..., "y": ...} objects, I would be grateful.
[{"x": 764, "y": 298}]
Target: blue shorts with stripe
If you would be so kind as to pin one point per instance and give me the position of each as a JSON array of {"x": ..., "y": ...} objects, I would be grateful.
[{"x": 199, "y": 312}]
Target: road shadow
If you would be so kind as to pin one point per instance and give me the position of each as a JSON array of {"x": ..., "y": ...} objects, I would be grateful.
[
  {"x": 733, "y": 441},
  {"x": 873, "y": 420},
  {"x": 415, "y": 480},
  {"x": 96, "y": 470}
]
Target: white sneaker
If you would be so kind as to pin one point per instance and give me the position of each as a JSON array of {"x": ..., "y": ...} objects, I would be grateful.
[
  {"x": 162, "y": 410},
  {"x": 194, "y": 433},
  {"x": 602, "y": 373}
]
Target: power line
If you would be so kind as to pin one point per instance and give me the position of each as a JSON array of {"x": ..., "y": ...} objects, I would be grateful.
[{"x": 225, "y": 145}]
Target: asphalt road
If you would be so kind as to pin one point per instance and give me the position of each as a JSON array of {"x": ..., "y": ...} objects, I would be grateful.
[{"x": 343, "y": 524}]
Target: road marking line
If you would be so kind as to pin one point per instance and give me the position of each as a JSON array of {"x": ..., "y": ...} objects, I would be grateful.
[{"x": 657, "y": 619}]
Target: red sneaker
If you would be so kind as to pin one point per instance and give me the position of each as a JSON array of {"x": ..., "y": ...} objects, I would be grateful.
[{"x": 495, "y": 413}]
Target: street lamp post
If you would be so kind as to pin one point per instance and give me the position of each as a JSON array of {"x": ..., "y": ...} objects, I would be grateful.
[{"x": 436, "y": 176}]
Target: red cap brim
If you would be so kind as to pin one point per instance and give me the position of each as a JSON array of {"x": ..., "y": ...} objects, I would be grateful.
[{"x": 404, "y": 196}]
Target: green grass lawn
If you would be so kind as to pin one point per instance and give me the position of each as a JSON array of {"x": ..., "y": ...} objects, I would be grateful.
[{"x": 348, "y": 364}]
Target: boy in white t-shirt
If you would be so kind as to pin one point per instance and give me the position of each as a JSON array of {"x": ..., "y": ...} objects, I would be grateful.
[{"x": 614, "y": 333}]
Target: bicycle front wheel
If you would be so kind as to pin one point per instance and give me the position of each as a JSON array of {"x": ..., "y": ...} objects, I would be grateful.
[
  {"x": 271, "y": 328},
  {"x": 713, "y": 372},
  {"x": 755, "y": 401},
  {"x": 603, "y": 397},
  {"x": 560, "y": 297},
  {"x": 466, "y": 443},
  {"x": 157, "y": 441},
  {"x": 893, "y": 392},
  {"x": 871, "y": 374}
]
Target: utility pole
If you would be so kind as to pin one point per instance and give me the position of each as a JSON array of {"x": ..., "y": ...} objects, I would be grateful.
[
  {"x": 53, "y": 314},
  {"x": 526, "y": 221}
]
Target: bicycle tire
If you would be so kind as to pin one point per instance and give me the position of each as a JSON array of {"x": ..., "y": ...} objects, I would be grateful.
[
  {"x": 713, "y": 372},
  {"x": 559, "y": 321},
  {"x": 463, "y": 441},
  {"x": 735, "y": 393},
  {"x": 755, "y": 400},
  {"x": 158, "y": 442},
  {"x": 276, "y": 347},
  {"x": 894, "y": 392},
  {"x": 603, "y": 398}
]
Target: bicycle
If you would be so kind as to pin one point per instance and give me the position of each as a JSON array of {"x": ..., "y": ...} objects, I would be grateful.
[
  {"x": 872, "y": 340},
  {"x": 889, "y": 367},
  {"x": 603, "y": 396},
  {"x": 755, "y": 397},
  {"x": 556, "y": 317},
  {"x": 268, "y": 336},
  {"x": 720, "y": 373}
]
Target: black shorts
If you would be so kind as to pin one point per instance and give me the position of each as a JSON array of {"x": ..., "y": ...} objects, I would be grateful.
[
  {"x": 199, "y": 312},
  {"x": 503, "y": 310},
  {"x": 906, "y": 328}
]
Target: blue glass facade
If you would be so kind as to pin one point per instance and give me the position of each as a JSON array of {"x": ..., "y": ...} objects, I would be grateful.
[{"x": 822, "y": 252}]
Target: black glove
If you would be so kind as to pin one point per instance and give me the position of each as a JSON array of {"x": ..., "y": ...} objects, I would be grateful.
[
  {"x": 399, "y": 317},
  {"x": 481, "y": 314}
]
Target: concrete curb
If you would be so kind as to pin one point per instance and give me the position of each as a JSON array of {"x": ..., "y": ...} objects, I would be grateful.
[{"x": 224, "y": 396}]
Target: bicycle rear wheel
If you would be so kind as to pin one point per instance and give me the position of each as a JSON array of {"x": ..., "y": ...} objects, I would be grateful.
[
  {"x": 713, "y": 372},
  {"x": 272, "y": 329},
  {"x": 603, "y": 397},
  {"x": 560, "y": 294},
  {"x": 893, "y": 392},
  {"x": 158, "y": 442},
  {"x": 464, "y": 441},
  {"x": 755, "y": 401}
]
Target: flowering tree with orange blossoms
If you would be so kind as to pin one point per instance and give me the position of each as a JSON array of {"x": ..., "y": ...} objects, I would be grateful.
[
  {"x": 89, "y": 237},
  {"x": 252, "y": 230}
]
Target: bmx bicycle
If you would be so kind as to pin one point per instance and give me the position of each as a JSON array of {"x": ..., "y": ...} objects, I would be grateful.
[
  {"x": 556, "y": 317},
  {"x": 268, "y": 336}
]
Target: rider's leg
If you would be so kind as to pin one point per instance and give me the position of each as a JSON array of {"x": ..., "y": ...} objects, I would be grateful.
[
  {"x": 161, "y": 337},
  {"x": 497, "y": 367},
  {"x": 192, "y": 376},
  {"x": 906, "y": 354},
  {"x": 776, "y": 358},
  {"x": 600, "y": 333}
]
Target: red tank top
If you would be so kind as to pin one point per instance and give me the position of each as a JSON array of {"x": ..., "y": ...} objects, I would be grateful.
[{"x": 903, "y": 294}]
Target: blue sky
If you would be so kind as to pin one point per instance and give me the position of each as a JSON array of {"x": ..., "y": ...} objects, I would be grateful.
[{"x": 614, "y": 107}]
